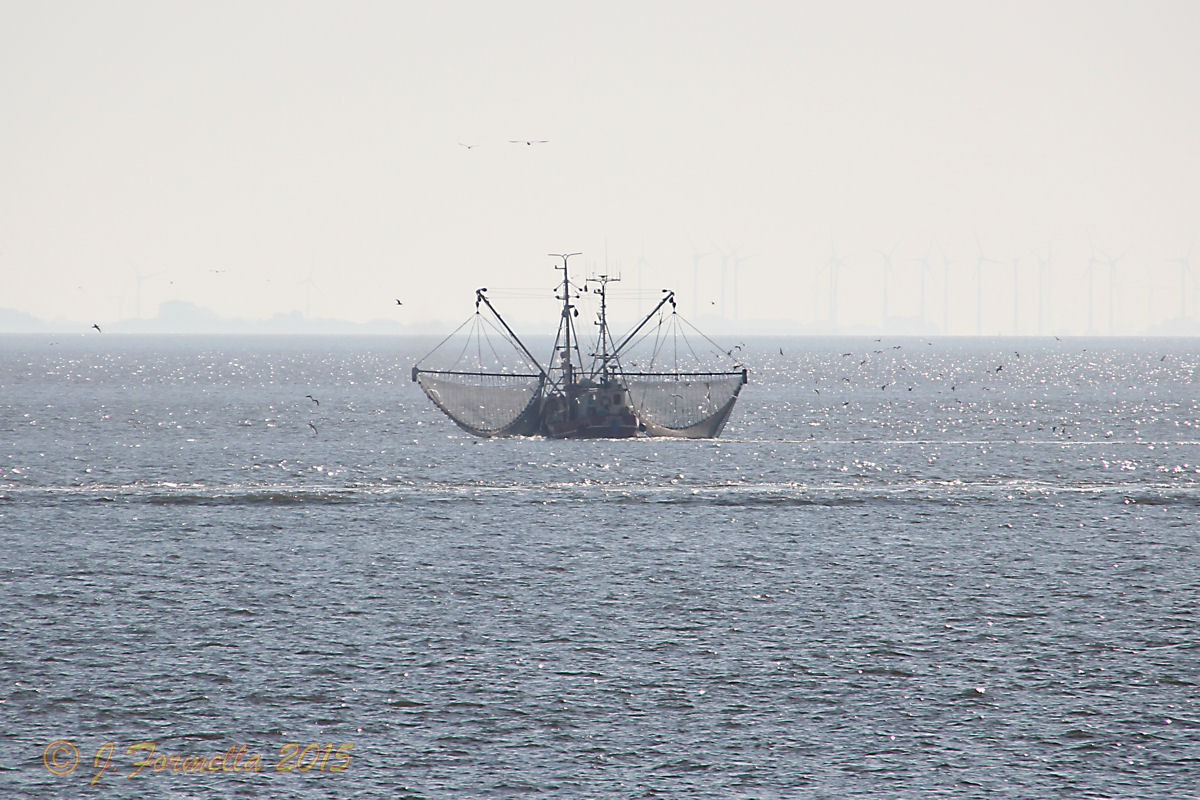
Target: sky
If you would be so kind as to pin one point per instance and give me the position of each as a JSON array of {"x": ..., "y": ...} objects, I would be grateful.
[{"x": 904, "y": 167}]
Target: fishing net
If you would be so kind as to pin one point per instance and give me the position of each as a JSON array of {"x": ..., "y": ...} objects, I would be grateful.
[
  {"x": 486, "y": 404},
  {"x": 482, "y": 380},
  {"x": 691, "y": 405}
]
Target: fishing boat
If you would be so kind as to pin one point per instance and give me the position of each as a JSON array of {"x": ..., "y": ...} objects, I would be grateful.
[{"x": 647, "y": 383}]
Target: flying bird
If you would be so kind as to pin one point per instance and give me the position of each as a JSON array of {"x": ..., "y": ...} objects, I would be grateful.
[
  {"x": 315, "y": 400},
  {"x": 468, "y": 146},
  {"x": 529, "y": 142},
  {"x": 399, "y": 303},
  {"x": 314, "y": 427},
  {"x": 97, "y": 327}
]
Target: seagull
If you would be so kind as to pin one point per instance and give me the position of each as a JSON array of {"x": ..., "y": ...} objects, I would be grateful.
[
  {"x": 97, "y": 327},
  {"x": 399, "y": 303},
  {"x": 468, "y": 146},
  {"x": 314, "y": 427},
  {"x": 315, "y": 400},
  {"x": 529, "y": 142},
  {"x": 999, "y": 368}
]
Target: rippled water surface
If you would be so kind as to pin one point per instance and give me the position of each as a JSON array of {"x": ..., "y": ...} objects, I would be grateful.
[{"x": 911, "y": 568}]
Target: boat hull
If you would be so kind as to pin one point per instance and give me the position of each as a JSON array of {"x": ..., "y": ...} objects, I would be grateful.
[{"x": 594, "y": 427}]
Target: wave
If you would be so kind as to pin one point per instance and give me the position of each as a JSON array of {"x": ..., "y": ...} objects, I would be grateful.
[{"x": 659, "y": 493}]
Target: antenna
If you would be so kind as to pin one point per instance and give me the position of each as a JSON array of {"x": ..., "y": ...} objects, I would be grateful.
[{"x": 565, "y": 324}]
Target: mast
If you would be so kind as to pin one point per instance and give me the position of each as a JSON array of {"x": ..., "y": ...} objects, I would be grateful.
[
  {"x": 564, "y": 328},
  {"x": 603, "y": 323}
]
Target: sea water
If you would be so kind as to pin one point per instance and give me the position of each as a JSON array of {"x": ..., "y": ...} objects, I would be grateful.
[{"x": 910, "y": 568}]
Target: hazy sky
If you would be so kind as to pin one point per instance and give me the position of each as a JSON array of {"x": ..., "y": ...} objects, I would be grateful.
[{"x": 268, "y": 157}]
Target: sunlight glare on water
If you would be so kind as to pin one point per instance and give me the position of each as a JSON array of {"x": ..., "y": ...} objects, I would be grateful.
[{"x": 926, "y": 568}]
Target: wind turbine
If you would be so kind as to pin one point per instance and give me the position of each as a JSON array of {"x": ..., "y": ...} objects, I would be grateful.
[
  {"x": 1016, "y": 326},
  {"x": 1112, "y": 280},
  {"x": 640, "y": 265},
  {"x": 887, "y": 267},
  {"x": 1185, "y": 269},
  {"x": 1041, "y": 290},
  {"x": 1093, "y": 260},
  {"x": 309, "y": 284},
  {"x": 945, "y": 292},
  {"x": 924, "y": 262},
  {"x": 737, "y": 264},
  {"x": 833, "y": 263},
  {"x": 980, "y": 260},
  {"x": 696, "y": 259},
  {"x": 726, "y": 258},
  {"x": 139, "y": 279}
]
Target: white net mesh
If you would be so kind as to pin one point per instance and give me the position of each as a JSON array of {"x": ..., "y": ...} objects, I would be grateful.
[
  {"x": 486, "y": 405},
  {"x": 694, "y": 405}
]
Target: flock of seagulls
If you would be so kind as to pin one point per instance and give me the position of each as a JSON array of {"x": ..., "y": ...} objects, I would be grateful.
[
  {"x": 309, "y": 396},
  {"x": 866, "y": 357}
]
